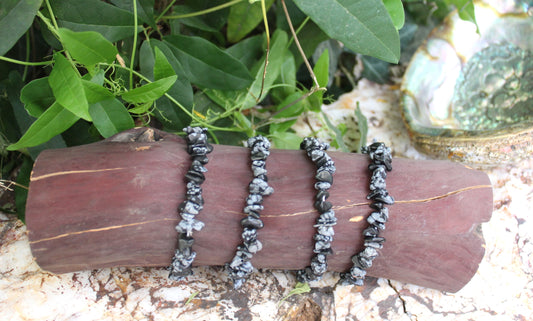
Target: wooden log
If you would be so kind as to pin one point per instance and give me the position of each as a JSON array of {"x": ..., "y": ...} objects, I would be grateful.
[{"x": 113, "y": 203}]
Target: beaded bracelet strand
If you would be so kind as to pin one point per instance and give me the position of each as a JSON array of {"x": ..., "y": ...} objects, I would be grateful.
[
  {"x": 381, "y": 158},
  {"x": 198, "y": 148},
  {"x": 240, "y": 267},
  {"x": 316, "y": 151}
]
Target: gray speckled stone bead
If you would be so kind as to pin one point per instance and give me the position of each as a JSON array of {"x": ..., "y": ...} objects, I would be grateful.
[
  {"x": 381, "y": 159},
  {"x": 197, "y": 147},
  {"x": 240, "y": 267}
]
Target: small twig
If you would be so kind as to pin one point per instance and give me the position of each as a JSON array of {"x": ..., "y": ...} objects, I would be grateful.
[
  {"x": 306, "y": 120},
  {"x": 10, "y": 183},
  {"x": 315, "y": 81}
]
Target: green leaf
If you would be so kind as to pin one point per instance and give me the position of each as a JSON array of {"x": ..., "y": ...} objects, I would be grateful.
[
  {"x": 191, "y": 297},
  {"x": 362, "y": 124},
  {"x": 13, "y": 87},
  {"x": 281, "y": 127},
  {"x": 244, "y": 17},
  {"x": 9, "y": 129},
  {"x": 285, "y": 140},
  {"x": 293, "y": 109},
  {"x": 299, "y": 288},
  {"x": 198, "y": 22},
  {"x": 335, "y": 50},
  {"x": 149, "y": 92},
  {"x": 98, "y": 77},
  {"x": 288, "y": 74},
  {"x": 363, "y": 26},
  {"x": 338, "y": 134},
  {"x": 37, "y": 96},
  {"x": 67, "y": 87},
  {"x": 162, "y": 68},
  {"x": 16, "y": 16},
  {"x": 287, "y": 111},
  {"x": 81, "y": 133},
  {"x": 248, "y": 98},
  {"x": 146, "y": 60},
  {"x": 182, "y": 89},
  {"x": 23, "y": 119},
  {"x": 52, "y": 122},
  {"x": 141, "y": 109},
  {"x": 248, "y": 51},
  {"x": 94, "y": 15},
  {"x": 277, "y": 53},
  {"x": 95, "y": 93},
  {"x": 110, "y": 117},
  {"x": 208, "y": 66},
  {"x": 466, "y": 10},
  {"x": 171, "y": 115},
  {"x": 145, "y": 10},
  {"x": 321, "y": 70},
  {"x": 375, "y": 69},
  {"x": 395, "y": 10},
  {"x": 87, "y": 47}
]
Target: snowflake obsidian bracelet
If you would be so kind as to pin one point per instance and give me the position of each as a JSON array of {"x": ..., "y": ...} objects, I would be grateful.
[
  {"x": 198, "y": 148},
  {"x": 240, "y": 267},
  {"x": 316, "y": 151},
  {"x": 381, "y": 158}
]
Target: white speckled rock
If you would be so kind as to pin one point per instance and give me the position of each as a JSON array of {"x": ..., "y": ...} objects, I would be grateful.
[{"x": 502, "y": 289}]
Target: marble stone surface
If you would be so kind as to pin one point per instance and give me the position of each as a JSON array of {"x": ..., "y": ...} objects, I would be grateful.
[{"x": 502, "y": 289}]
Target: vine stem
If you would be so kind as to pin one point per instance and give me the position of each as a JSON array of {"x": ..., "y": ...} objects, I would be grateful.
[
  {"x": 134, "y": 42},
  {"x": 26, "y": 63},
  {"x": 53, "y": 27},
  {"x": 302, "y": 25},
  {"x": 52, "y": 17},
  {"x": 202, "y": 12},
  {"x": 25, "y": 73},
  {"x": 267, "y": 31},
  {"x": 165, "y": 11}
]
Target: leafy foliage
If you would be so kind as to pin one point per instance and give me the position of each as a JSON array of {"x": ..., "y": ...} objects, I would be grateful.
[{"x": 75, "y": 71}]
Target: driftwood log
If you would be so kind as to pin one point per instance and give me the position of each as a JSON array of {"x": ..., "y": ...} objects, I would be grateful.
[{"x": 114, "y": 203}]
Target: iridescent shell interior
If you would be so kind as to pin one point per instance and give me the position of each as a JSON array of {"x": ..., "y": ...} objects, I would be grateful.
[{"x": 469, "y": 96}]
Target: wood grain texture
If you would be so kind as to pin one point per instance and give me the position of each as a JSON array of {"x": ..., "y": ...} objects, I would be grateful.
[{"x": 113, "y": 203}]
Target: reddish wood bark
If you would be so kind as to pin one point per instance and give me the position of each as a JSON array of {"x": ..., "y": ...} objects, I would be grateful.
[{"x": 113, "y": 203}]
